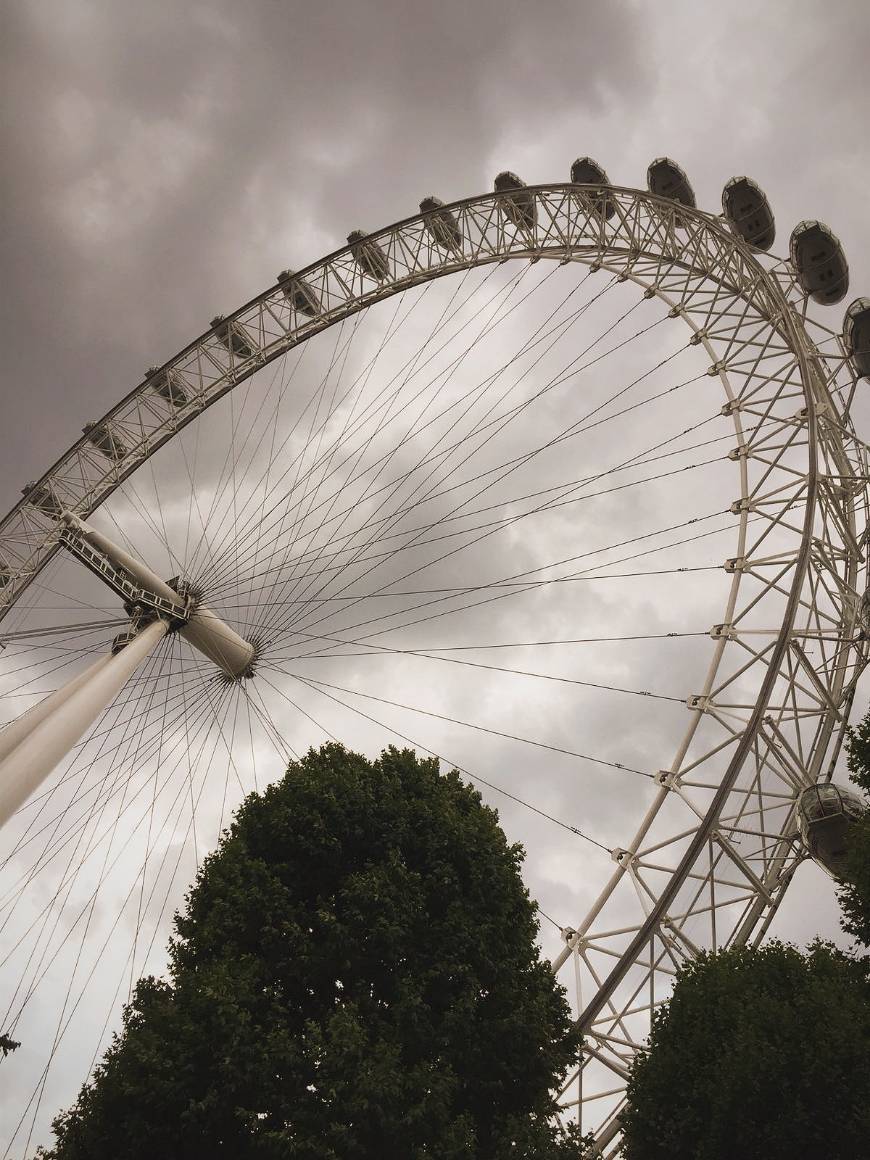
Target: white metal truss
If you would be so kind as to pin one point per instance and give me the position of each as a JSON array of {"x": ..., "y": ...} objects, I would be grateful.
[{"x": 712, "y": 857}]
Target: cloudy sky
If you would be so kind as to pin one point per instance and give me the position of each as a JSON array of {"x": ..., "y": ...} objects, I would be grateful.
[{"x": 162, "y": 162}]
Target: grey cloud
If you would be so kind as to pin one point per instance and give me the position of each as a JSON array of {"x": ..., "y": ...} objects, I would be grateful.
[{"x": 162, "y": 169}]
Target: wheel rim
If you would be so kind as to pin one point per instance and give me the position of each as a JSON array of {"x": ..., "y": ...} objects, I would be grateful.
[{"x": 801, "y": 483}]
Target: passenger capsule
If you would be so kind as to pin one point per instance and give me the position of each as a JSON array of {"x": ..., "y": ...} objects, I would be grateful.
[
  {"x": 518, "y": 205},
  {"x": 369, "y": 256},
  {"x": 666, "y": 179},
  {"x": 234, "y": 337},
  {"x": 105, "y": 440},
  {"x": 299, "y": 294},
  {"x": 856, "y": 336},
  {"x": 748, "y": 211},
  {"x": 441, "y": 223},
  {"x": 826, "y": 815},
  {"x": 169, "y": 385},
  {"x": 585, "y": 171},
  {"x": 5, "y": 573},
  {"x": 44, "y": 499},
  {"x": 819, "y": 262}
]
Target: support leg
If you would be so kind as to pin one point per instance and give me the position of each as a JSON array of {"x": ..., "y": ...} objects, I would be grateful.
[
  {"x": 53, "y": 727},
  {"x": 14, "y": 733}
]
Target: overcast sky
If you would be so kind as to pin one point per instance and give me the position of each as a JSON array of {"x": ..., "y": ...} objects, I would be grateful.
[{"x": 162, "y": 162}]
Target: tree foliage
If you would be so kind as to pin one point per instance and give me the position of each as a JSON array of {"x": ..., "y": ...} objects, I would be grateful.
[
  {"x": 8, "y": 1044},
  {"x": 354, "y": 976},
  {"x": 854, "y": 894},
  {"x": 760, "y": 1054}
]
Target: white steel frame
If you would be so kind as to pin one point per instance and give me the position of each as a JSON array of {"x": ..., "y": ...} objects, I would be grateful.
[{"x": 711, "y": 859}]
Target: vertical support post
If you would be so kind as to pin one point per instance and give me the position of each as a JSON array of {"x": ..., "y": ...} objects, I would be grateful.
[
  {"x": 14, "y": 733},
  {"x": 42, "y": 737},
  {"x": 578, "y": 985}
]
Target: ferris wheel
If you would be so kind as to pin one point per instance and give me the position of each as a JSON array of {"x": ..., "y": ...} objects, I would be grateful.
[{"x": 559, "y": 483}]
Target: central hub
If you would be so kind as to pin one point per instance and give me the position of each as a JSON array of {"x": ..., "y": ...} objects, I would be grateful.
[{"x": 175, "y": 601}]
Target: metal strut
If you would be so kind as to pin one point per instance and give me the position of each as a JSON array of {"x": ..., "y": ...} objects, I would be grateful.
[
  {"x": 199, "y": 626},
  {"x": 133, "y": 596}
]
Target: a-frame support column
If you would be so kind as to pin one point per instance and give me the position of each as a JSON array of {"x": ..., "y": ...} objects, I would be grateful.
[{"x": 32, "y": 745}]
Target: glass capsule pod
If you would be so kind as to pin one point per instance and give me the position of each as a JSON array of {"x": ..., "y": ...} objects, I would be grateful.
[
  {"x": 369, "y": 255},
  {"x": 745, "y": 205},
  {"x": 441, "y": 224},
  {"x": 517, "y": 205},
  {"x": 105, "y": 441},
  {"x": 233, "y": 336},
  {"x": 819, "y": 262},
  {"x": 585, "y": 171},
  {"x": 169, "y": 385},
  {"x": 826, "y": 815},
  {"x": 665, "y": 178},
  {"x": 299, "y": 294},
  {"x": 856, "y": 336}
]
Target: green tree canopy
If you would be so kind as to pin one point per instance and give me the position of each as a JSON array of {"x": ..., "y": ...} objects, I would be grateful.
[
  {"x": 760, "y": 1054},
  {"x": 854, "y": 892},
  {"x": 354, "y": 976}
]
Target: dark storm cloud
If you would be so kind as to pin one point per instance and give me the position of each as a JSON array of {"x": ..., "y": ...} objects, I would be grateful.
[{"x": 162, "y": 163}]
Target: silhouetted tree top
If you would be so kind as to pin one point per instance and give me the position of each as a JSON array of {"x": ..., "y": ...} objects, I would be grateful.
[
  {"x": 355, "y": 975},
  {"x": 760, "y": 1054}
]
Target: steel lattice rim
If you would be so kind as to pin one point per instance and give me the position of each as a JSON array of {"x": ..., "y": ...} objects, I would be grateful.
[{"x": 660, "y": 250}]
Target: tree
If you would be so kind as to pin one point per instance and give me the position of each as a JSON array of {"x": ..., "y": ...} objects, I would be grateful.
[
  {"x": 760, "y": 1053},
  {"x": 354, "y": 976},
  {"x": 8, "y": 1044},
  {"x": 854, "y": 893}
]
